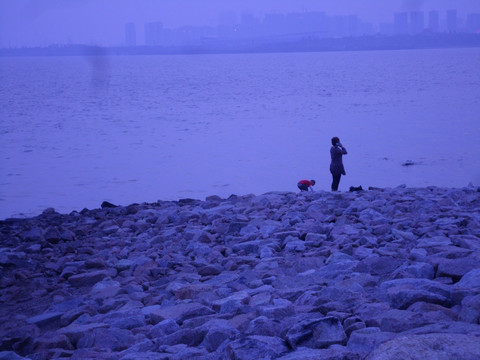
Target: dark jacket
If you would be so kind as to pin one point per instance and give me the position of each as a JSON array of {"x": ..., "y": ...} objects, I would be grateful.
[{"x": 336, "y": 166}]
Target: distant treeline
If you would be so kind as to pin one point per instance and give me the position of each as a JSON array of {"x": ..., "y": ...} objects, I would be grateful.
[{"x": 216, "y": 46}]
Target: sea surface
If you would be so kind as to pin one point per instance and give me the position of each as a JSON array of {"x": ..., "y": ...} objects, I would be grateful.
[{"x": 75, "y": 131}]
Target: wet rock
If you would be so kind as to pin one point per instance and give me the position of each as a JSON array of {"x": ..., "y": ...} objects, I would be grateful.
[
  {"x": 429, "y": 346},
  {"x": 318, "y": 333},
  {"x": 165, "y": 327},
  {"x": 46, "y": 320},
  {"x": 402, "y": 293},
  {"x": 456, "y": 269},
  {"x": 87, "y": 278},
  {"x": 255, "y": 347},
  {"x": 181, "y": 312},
  {"x": 217, "y": 335},
  {"x": 11, "y": 355},
  {"x": 280, "y": 309},
  {"x": 364, "y": 341},
  {"x": 322, "y": 275},
  {"x": 189, "y": 337},
  {"x": 470, "y": 280},
  {"x": 52, "y": 235},
  {"x": 111, "y": 339},
  {"x": 470, "y": 310},
  {"x": 76, "y": 331},
  {"x": 263, "y": 326}
]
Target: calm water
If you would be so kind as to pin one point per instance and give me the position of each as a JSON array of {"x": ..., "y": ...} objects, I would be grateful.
[{"x": 76, "y": 131}]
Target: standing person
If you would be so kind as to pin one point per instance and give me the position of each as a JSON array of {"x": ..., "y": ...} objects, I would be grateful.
[
  {"x": 305, "y": 185},
  {"x": 336, "y": 166}
]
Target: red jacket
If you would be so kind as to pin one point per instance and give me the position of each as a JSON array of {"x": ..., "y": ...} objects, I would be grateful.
[{"x": 306, "y": 182}]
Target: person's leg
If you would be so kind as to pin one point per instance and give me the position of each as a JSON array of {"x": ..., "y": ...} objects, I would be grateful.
[
  {"x": 335, "y": 181},
  {"x": 302, "y": 187}
]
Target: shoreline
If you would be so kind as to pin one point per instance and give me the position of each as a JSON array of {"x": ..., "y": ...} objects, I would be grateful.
[
  {"x": 283, "y": 275},
  {"x": 258, "y": 46},
  {"x": 108, "y": 204}
]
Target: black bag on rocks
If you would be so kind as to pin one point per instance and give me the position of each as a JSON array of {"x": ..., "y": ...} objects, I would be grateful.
[{"x": 356, "y": 188}]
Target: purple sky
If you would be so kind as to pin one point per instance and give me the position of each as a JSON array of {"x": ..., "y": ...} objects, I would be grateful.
[{"x": 43, "y": 22}]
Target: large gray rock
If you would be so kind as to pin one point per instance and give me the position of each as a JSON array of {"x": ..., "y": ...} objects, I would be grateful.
[
  {"x": 280, "y": 309},
  {"x": 429, "y": 346},
  {"x": 189, "y": 337},
  {"x": 364, "y": 341},
  {"x": 165, "y": 327},
  {"x": 263, "y": 326},
  {"x": 218, "y": 334},
  {"x": 180, "y": 312},
  {"x": 11, "y": 355},
  {"x": 470, "y": 280},
  {"x": 470, "y": 310},
  {"x": 316, "y": 333},
  {"x": 255, "y": 347},
  {"x": 87, "y": 278},
  {"x": 48, "y": 319},
  {"x": 402, "y": 293},
  {"x": 320, "y": 354},
  {"x": 76, "y": 331},
  {"x": 108, "y": 339},
  {"x": 456, "y": 268}
]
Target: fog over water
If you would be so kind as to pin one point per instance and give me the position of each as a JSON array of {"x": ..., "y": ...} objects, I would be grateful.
[
  {"x": 76, "y": 131},
  {"x": 102, "y": 22}
]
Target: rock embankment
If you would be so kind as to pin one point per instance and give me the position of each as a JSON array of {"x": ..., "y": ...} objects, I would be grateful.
[{"x": 379, "y": 274}]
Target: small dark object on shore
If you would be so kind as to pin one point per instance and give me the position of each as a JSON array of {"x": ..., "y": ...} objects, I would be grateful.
[
  {"x": 356, "y": 188},
  {"x": 106, "y": 204}
]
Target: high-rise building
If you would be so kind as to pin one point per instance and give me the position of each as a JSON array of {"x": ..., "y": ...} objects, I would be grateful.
[
  {"x": 352, "y": 25},
  {"x": 130, "y": 34},
  {"x": 473, "y": 23},
  {"x": 433, "y": 21},
  {"x": 417, "y": 22},
  {"x": 153, "y": 33},
  {"x": 452, "y": 21},
  {"x": 400, "y": 23}
]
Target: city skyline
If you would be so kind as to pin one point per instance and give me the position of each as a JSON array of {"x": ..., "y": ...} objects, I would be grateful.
[
  {"x": 102, "y": 22},
  {"x": 299, "y": 26}
]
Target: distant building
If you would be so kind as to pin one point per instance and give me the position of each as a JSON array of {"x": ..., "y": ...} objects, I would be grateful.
[
  {"x": 452, "y": 21},
  {"x": 473, "y": 23},
  {"x": 274, "y": 24},
  {"x": 353, "y": 26},
  {"x": 153, "y": 34},
  {"x": 386, "y": 28},
  {"x": 227, "y": 27},
  {"x": 417, "y": 22},
  {"x": 249, "y": 25},
  {"x": 339, "y": 26},
  {"x": 400, "y": 23},
  {"x": 130, "y": 35},
  {"x": 433, "y": 21}
]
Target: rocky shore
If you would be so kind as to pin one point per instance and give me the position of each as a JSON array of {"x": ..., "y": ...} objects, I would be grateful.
[{"x": 378, "y": 274}]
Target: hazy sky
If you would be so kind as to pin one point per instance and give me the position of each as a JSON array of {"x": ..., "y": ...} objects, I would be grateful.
[{"x": 101, "y": 22}]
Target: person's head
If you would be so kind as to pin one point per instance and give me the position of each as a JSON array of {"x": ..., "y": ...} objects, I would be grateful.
[
  {"x": 335, "y": 140},
  {"x": 313, "y": 182}
]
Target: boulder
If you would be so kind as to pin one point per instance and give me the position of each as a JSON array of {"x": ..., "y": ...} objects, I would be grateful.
[
  {"x": 316, "y": 333},
  {"x": 180, "y": 312},
  {"x": 429, "y": 346},
  {"x": 471, "y": 279},
  {"x": 255, "y": 347},
  {"x": 364, "y": 341},
  {"x": 87, "y": 278},
  {"x": 108, "y": 339},
  {"x": 264, "y": 326},
  {"x": 280, "y": 309},
  {"x": 320, "y": 354},
  {"x": 216, "y": 335}
]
